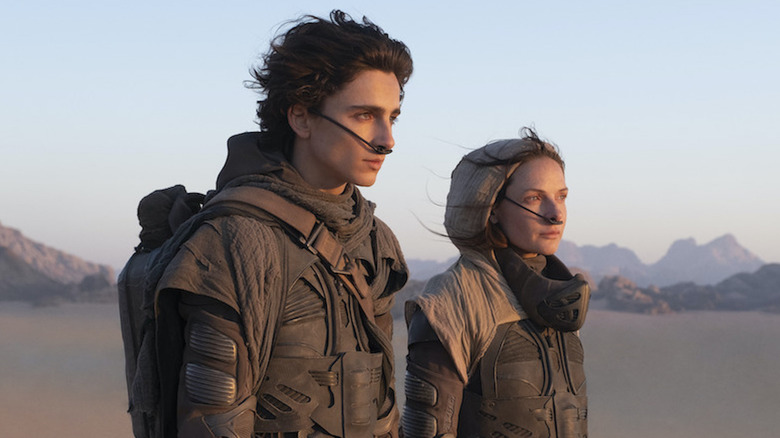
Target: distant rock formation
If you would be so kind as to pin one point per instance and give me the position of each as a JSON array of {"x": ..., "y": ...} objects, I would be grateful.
[
  {"x": 425, "y": 269},
  {"x": 412, "y": 289},
  {"x": 21, "y": 282},
  {"x": 31, "y": 271},
  {"x": 623, "y": 294},
  {"x": 603, "y": 261},
  {"x": 703, "y": 264},
  {"x": 55, "y": 264},
  {"x": 749, "y": 291},
  {"x": 685, "y": 261},
  {"x": 759, "y": 290}
]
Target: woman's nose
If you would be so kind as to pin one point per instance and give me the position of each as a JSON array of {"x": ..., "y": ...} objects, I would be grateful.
[{"x": 556, "y": 210}]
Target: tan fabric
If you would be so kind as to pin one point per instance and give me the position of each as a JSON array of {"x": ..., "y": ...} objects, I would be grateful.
[
  {"x": 464, "y": 305},
  {"x": 475, "y": 184}
]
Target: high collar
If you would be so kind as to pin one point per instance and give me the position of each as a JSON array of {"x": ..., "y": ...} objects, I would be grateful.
[
  {"x": 253, "y": 160},
  {"x": 250, "y": 153}
]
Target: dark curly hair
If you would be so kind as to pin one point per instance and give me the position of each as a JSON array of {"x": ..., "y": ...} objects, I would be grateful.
[{"x": 314, "y": 59}]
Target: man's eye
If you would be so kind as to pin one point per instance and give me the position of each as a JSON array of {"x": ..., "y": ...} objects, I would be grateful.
[{"x": 365, "y": 116}]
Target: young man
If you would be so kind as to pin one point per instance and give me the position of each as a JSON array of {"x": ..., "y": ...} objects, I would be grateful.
[{"x": 259, "y": 334}]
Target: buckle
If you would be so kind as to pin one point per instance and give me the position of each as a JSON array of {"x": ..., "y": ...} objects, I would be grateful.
[
  {"x": 308, "y": 242},
  {"x": 347, "y": 264}
]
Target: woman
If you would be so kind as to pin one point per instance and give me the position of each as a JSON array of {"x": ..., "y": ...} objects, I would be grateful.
[{"x": 493, "y": 343}]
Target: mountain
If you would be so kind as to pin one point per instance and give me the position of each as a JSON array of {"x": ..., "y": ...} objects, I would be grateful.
[
  {"x": 603, "y": 261},
  {"x": 20, "y": 281},
  {"x": 31, "y": 271},
  {"x": 590, "y": 260},
  {"x": 54, "y": 264},
  {"x": 703, "y": 264},
  {"x": 746, "y": 290},
  {"x": 685, "y": 261},
  {"x": 757, "y": 290},
  {"x": 424, "y": 269}
]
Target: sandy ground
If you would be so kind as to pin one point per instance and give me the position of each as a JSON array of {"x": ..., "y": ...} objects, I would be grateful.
[
  {"x": 62, "y": 372},
  {"x": 687, "y": 375}
]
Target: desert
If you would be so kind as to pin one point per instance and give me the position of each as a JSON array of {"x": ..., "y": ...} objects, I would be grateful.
[{"x": 676, "y": 375}]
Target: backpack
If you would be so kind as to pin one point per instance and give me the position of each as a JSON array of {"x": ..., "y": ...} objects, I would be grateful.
[
  {"x": 168, "y": 217},
  {"x": 160, "y": 214}
]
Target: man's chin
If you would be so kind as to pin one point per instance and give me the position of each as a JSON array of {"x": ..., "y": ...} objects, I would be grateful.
[{"x": 365, "y": 182}]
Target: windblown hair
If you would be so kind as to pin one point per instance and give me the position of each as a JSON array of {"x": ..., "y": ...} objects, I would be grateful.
[
  {"x": 314, "y": 59},
  {"x": 528, "y": 147}
]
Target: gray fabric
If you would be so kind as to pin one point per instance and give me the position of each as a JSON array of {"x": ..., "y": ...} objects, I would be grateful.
[
  {"x": 240, "y": 261},
  {"x": 236, "y": 261},
  {"x": 348, "y": 215}
]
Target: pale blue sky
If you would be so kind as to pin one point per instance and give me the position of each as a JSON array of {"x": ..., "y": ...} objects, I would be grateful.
[{"x": 666, "y": 112}]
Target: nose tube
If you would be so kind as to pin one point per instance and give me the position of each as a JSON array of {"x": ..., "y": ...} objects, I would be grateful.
[
  {"x": 377, "y": 149},
  {"x": 552, "y": 220}
]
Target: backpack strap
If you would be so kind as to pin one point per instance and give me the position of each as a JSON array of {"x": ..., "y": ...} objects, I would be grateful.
[{"x": 310, "y": 232}]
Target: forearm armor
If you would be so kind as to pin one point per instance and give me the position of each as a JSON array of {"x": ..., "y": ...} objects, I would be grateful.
[
  {"x": 214, "y": 398},
  {"x": 433, "y": 389},
  {"x": 432, "y": 404}
]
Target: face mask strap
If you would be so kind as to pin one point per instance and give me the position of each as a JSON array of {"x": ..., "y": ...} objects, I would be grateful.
[
  {"x": 551, "y": 220},
  {"x": 377, "y": 149}
]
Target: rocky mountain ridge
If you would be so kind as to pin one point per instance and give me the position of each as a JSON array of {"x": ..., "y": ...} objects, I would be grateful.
[
  {"x": 685, "y": 261},
  {"x": 32, "y": 271},
  {"x": 719, "y": 275},
  {"x": 53, "y": 263},
  {"x": 757, "y": 290}
]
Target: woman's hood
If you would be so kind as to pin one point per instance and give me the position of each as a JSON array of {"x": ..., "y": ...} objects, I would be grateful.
[{"x": 475, "y": 184}]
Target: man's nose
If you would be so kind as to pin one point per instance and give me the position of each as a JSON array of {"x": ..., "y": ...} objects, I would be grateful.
[{"x": 384, "y": 134}]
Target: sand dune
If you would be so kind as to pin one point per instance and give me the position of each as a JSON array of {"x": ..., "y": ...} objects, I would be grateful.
[{"x": 686, "y": 375}]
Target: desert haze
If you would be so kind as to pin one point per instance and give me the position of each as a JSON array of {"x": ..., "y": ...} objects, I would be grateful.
[{"x": 689, "y": 374}]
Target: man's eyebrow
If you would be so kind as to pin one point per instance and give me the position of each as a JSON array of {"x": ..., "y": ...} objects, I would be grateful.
[
  {"x": 533, "y": 189},
  {"x": 374, "y": 109}
]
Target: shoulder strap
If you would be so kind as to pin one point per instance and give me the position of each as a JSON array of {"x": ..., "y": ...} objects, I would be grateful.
[{"x": 307, "y": 230}]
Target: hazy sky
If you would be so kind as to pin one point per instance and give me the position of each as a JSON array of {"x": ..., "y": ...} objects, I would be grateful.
[{"x": 667, "y": 112}]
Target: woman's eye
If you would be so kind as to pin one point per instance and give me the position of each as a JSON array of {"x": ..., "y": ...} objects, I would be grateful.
[{"x": 534, "y": 198}]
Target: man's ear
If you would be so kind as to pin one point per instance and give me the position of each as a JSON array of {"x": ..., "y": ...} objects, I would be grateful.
[{"x": 298, "y": 117}]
